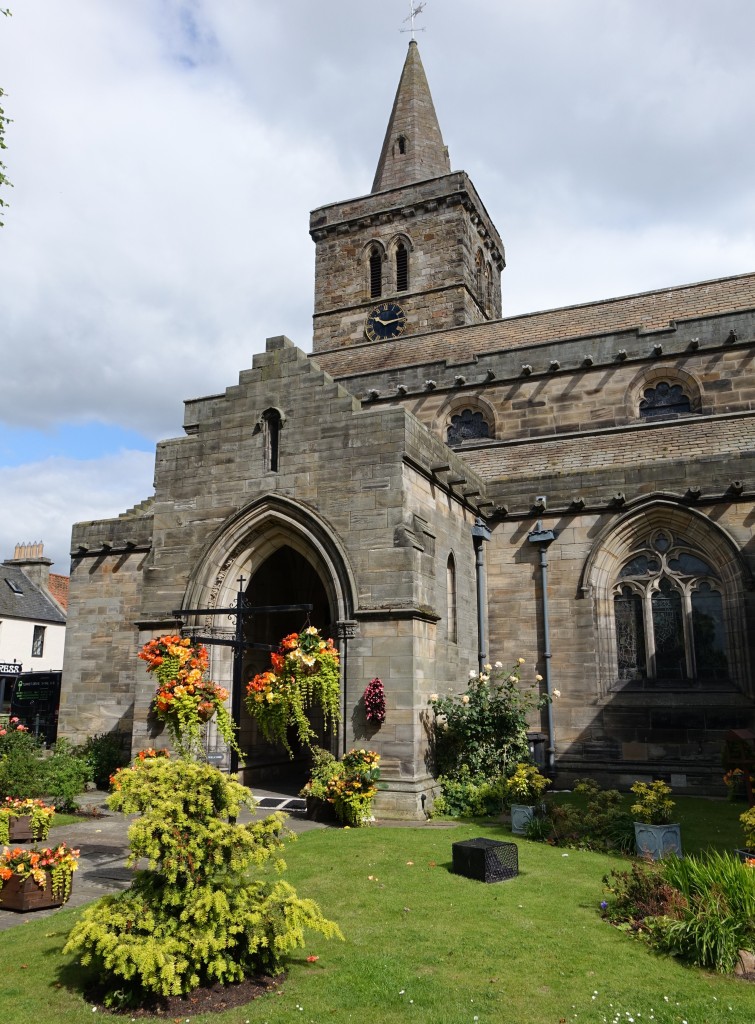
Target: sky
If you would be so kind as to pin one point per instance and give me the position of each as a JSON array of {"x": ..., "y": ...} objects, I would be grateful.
[{"x": 165, "y": 156}]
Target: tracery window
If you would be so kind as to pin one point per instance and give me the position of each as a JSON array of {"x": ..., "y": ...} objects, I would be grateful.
[
  {"x": 376, "y": 273},
  {"x": 467, "y": 425},
  {"x": 668, "y": 613},
  {"x": 664, "y": 401}
]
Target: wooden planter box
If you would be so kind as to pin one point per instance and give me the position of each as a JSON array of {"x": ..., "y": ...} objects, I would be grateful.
[
  {"x": 20, "y": 829},
  {"x": 24, "y": 894}
]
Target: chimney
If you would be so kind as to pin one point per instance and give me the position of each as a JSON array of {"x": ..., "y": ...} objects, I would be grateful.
[{"x": 30, "y": 558}]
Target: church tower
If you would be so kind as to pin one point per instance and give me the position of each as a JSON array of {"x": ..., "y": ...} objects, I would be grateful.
[{"x": 418, "y": 254}]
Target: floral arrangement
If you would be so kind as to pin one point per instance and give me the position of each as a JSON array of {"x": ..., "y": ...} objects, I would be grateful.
[
  {"x": 525, "y": 785},
  {"x": 374, "y": 702},
  {"x": 304, "y": 671},
  {"x": 39, "y": 813},
  {"x": 185, "y": 700},
  {"x": 60, "y": 861},
  {"x": 17, "y": 726},
  {"x": 350, "y": 784},
  {"x": 748, "y": 827},
  {"x": 654, "y": 804}
]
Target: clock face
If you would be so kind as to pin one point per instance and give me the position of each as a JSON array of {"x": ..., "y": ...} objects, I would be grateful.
[{"x": 388, "y": 320}]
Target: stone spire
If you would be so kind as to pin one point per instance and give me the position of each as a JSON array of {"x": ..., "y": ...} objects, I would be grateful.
[{"x": 413, "y": 149}]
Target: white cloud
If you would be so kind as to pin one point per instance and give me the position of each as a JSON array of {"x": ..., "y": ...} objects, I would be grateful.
[
  {"x": 42, "y": 500},
  {"x": 166, "y": 153}
]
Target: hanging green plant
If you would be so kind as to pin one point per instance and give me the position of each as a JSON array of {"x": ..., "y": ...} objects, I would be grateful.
[{"x": 305, "y": 671}]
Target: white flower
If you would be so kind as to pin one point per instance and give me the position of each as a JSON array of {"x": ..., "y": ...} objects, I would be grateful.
[
  {"x": 538, "y": 678},
  {"x": 473, "y": 674},
  {"x": 484, "y": 677},
  {"x": 433, "y": 697},
  {"x": 465, "y": 698},
  {"x": 520, "y": 661},
  {"x": 513, "y": 679},
  {"x": 488, "y": 667},
  {"x": 556, "y": 693},
  {"x": 499, "y": 664}
]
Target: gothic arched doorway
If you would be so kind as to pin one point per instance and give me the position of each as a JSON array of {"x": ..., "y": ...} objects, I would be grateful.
[{"x": 285, "y": 577}]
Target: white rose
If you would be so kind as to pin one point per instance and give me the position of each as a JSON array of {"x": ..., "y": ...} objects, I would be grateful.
[
  {"x": 473, "y": 674},
  {"x": 520, "y": 661},
  {"x": 465, "y": 698},
  {"x": 488, "y": 668},
  {"x": 499, "y": 664},
  {"x": 433, "y": 697},
  {"x": 556, "y": 693},
  {"x": 538, "y": 678}
]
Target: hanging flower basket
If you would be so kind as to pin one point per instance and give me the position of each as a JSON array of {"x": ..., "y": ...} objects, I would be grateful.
[
  {"x": 185, "y": 700},
  {"x": 305, "y": 671},
  {"x": 374, "y": 702},
  {"x": 36, "y": 879}
]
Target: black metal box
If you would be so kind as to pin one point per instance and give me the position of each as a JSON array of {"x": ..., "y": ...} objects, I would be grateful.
[{"x": 487, "y": 860}]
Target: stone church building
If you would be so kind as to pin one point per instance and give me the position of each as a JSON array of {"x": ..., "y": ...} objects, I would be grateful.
[{"x": 444, "y": 485}]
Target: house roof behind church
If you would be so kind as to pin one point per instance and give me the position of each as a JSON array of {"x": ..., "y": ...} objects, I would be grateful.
[
  {"x": 643, "y": 312},
  {"x": 20, "y": 598}
]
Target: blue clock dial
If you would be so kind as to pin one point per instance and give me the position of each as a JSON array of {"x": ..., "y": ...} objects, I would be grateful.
[{"x": 388, "y": 320}]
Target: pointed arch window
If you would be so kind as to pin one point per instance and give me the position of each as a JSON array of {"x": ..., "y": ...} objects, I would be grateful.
[
  {"x": 479, "y": 275},
  {"x": 272, "y": 423},
  {"x": 669, "y": 614},
  {"x": 451, "y": 618},
  {"x": 402, "y": 267},
  {"x": 376, "y": 272},
  {"x": 401, "y": 141}
]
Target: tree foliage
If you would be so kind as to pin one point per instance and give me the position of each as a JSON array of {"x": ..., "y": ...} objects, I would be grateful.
[{"x": 211, "y": 905}]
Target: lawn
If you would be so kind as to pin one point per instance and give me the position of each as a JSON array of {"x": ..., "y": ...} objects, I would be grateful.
[{"x": 426, "y": 945}]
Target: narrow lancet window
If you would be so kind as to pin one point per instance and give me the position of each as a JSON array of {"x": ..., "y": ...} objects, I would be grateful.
[
  {"x": 272, "y": 420},
  {"x": 451, "y": 599}
]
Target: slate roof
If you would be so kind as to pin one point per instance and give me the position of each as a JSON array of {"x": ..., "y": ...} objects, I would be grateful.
[
  {"x": 22, "y": 599},
  {"x": 645, "y": 312}
]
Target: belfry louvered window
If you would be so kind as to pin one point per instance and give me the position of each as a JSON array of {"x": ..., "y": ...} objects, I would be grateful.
[
  {"x": 402, "y": 267},
  {"x": 376, "y": 273}
]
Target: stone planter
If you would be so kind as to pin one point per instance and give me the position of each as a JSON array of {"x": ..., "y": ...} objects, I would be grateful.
[
  {"x": 23, "y": 895},
  {"x": 522, "y": 815},
  {"x": 657, "y": 841}
]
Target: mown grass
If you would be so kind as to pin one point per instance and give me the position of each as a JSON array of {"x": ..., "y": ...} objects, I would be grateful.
[{"x": 426, "y": 945}]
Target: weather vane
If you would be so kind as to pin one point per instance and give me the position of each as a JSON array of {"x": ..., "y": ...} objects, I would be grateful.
[{"x": 414, "y": 9}]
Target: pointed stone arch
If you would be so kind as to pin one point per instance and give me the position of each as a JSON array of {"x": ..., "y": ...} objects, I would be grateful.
[{"x": 616, "y": 545}]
